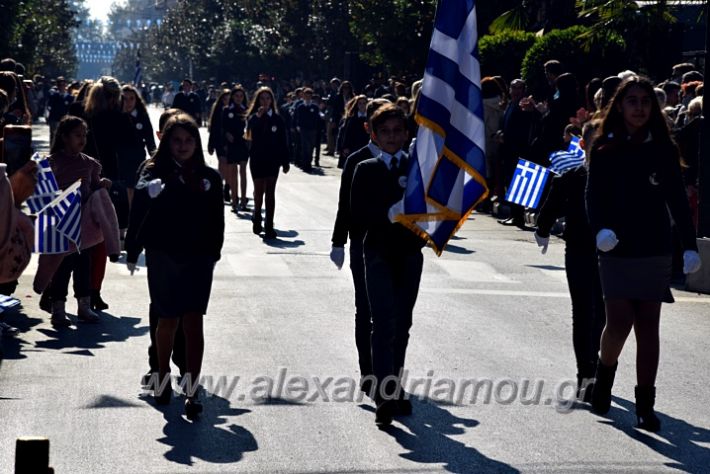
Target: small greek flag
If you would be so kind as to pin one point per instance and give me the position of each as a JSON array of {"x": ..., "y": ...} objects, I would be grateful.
[
  {"x": 572, "y": 158},
  {"x": 7, "y": 302},
  {"x": 527, "y": 185},
  {"x": 46, "y": 188},
  {"x": 60, "y": 223}
]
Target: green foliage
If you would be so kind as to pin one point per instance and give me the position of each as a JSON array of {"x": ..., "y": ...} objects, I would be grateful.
[
  {"x": 393, "y": 33},
  {"x": 502, "y": 54},
  {"x": 568, "y": 46},
  {"x": 534, "y": 15},
  {"x": 653, "y": 38},
  {"x": 38, "y": 33}
]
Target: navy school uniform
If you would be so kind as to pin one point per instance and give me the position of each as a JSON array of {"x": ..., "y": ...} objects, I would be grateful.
[
  {"x": 132, "y": 150},
  {"x": 393, "y": 262},
  {"x": 269, "y": 145},
  {"x": 307, "y": 118},
  {"x": 343, "y": 229},
  {"x": 234, "y": 122}
]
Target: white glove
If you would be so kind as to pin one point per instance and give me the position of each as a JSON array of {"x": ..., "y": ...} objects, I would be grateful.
[
  {"x": 691, "y": 261},
  {"x": 337, "y": 256},
  {"x": 131, "y": 267},
  {"x": 606, "y": 240},
  {"x": 155, "y": 187},
  {"x": 542, "y": 242}
]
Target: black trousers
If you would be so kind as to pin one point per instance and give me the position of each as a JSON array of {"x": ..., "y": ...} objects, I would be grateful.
[
  {"x": 392, "y": 288},
  {"x": 77, "y": 264},
  {"x": 178, "y": 344},
  {"x": 363, "y": 317},
  {"x": 588, "y": 314},
  {"x": 309, "y": 144}
]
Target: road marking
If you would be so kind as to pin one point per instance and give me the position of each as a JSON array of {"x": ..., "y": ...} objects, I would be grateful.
[
  {"x": 538, "y": 294},
  {"x": 262, "y": 266},
  {"x": 477, "y": 272}
]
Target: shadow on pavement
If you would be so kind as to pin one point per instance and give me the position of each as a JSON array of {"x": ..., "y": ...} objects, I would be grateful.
[
  {"x": 679, "y": 440},
  {"x": 13, "y": 347},
  {"x": 211, "y": 438},
  {"x": 428, "y": 439},
  {"x": 457, "y": 249},
  {"x": 279, "y": 243},
  {"x": 93, "y": 336}
]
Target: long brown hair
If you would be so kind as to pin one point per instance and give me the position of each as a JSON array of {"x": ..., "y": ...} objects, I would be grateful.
[
  {"x": 255, "y": 101},
  {"x": 140, "y": 104},
  {"x": 162, "y": 158},
  {"x": 612, "y": 126},
  {"x": 217, "y": 108},
  {"x": 66, "y": 125}
]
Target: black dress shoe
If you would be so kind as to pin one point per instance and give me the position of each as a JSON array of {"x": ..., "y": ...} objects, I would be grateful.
[
  {"x": 270, "y": 234},
  {"x": 192, "y": 408},
  {"x": 385, "y": 412},
  {"x": 256, "y": 226}
]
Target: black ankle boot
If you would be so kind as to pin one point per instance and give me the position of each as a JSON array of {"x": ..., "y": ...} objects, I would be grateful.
[
  {"x": 601, "y": 393},
  {"x": 97, "y": 304},
  {"x": 646, "y": 417},
  {"x": 256, "y": 225}
]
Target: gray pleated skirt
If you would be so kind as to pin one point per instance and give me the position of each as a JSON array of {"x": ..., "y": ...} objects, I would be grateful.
[
  {"x": 178, "y": 287},
  {"x": 636, "y": 278}
]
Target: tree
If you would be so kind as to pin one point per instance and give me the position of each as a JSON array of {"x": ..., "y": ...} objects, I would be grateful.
[
  {"x": 393, "y": 34},
  {"x": 649, "y": 28},
  {"x": 38, "y": 33},
  {"x": 502, "y": 54},
  {"x": 534, "y": 15}
]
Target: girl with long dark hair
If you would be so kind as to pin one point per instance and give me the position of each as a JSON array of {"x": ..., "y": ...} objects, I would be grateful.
[
  {"x": 178, "y": 217},
  {"x": 634, "y": 181}
]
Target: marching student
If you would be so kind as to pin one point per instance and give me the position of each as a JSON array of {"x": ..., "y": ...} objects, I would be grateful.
[
  {"x": 69, "y": 164},
  {"x": 343, "y": 229},
  {"x": 308, "y": 124},
  {"x": 215, "y": 142},
  {"x": 354, "y": 133},
  {"x": 567, "y": 199},
  {"x": 133, "y": 151},
  {"x": 178, "y": 356},
  {"x": 634, "y": 181},
  {"x": 179, "y": 220},
  {"x": 234, "y": 126},
  {"x": 268, "y": 154},
  {"x": 392, "y": 255}
]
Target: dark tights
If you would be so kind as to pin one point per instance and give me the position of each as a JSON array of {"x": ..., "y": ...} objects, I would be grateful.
[
  {"x": 644, "y": 317},
  {"x": 265, "y": 186}
]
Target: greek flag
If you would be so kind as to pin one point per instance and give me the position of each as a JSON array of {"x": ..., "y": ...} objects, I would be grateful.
[
  {"x": 528, "y": 183},
  {"x": 60, "y": 223},
  {"x": 46, "y": 188},
  {"x": 445, "y": 173},
  {"x": 572, "y": 158},
  {"x": 7, "y": 302},
  {"x": 138, "y": 76}
]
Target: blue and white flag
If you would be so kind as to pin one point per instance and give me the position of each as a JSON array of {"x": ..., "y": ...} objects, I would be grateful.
[
  {"x": 528, "y": 184},
  {"x": 572, "y": 158},
  {"x": 46, "y": 189},
  {"x": 60, "y": 223},
  {"x": 7, "y": 302},
  {"x": 445, "y": 172}
]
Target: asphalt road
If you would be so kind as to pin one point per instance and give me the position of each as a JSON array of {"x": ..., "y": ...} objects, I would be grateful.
[{"x": 491, "y": 308}]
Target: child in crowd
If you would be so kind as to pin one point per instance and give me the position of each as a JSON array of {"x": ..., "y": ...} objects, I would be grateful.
[
  {"x": 269, "y": 153},
  {"x": 177, "y": 195},
  {"x": 392, "y": 255},
  {"x": 69, "y": 164}
]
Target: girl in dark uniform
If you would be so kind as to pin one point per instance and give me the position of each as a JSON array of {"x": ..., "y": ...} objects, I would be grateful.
[
  {"x": 234, "y": 124},
  {"x": 215, "y": 142},
  {"x": 269, "y": 152},
  {"x": 178, "y": 217},
  {"x": 634, "y": 181},
  {"x": 132, "y": 153}
]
